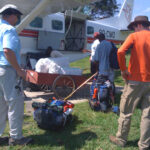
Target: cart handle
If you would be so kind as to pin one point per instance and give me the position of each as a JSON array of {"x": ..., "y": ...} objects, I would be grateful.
[{"x": 80, "y": 86}]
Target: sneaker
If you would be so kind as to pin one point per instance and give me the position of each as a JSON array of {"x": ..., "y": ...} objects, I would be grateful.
[
  {"x": 3, "y": 140},
  {"x": 115, "y": 141},
  {"x": 22, "y": 141}
]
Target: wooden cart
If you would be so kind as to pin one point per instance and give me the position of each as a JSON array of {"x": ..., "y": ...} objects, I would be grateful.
[{"x": 61, "y": 85}]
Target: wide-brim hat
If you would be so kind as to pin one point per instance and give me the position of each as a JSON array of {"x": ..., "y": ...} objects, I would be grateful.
[
  {"x": 10, "y": 9},
  {"x": 139, "y": 19}
]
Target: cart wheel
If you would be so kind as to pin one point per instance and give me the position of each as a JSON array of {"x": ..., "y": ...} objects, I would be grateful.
[
  {"x": 45, "y": 88},
  {"x": 63, "y": 86}
]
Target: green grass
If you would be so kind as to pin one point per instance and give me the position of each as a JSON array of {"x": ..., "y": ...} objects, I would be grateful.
[
  {"x": 88, "y": 130},
  {"x": 118, "y": 78},
  {"x": 83, "y": 64}
]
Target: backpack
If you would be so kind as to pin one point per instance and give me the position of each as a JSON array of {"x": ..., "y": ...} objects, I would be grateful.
[
  {"x": 53, "y": 114},
  {"x": 101, "y": 94},
  {"x": 113, "y": 60}
]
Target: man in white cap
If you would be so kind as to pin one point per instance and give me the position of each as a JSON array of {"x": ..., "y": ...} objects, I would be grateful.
[
  {"x": 137, "y": 83},
  {"x": 11, "y": 97}
]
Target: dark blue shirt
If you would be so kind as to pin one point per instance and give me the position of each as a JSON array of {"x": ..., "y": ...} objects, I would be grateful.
[{"x": 102, "y": 55}]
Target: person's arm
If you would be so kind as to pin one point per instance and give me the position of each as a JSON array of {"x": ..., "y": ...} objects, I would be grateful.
[
  {"x": 86, "y": 50},
  {"x": 11, "y": 57},
  {"x": 121, "y": 56}
]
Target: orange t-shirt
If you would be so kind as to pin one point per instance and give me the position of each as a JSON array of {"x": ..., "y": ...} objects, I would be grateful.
[{"x": 139, "y": 64}]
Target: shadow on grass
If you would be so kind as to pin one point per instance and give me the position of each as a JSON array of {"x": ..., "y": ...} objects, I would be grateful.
[
  {"x": 132, "y": 143},
  {"x": 66, "y": 137},
  {"x": 117, "y": 98}
]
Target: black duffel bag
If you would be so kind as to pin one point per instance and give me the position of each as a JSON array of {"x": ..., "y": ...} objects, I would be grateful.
[{"x": 51, "y": 116}]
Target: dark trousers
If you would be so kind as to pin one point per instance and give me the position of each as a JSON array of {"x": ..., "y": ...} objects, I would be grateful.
[{"x": 94, "y": 67}]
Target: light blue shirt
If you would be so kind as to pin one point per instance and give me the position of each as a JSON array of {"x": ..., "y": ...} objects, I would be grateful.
[
  {"x": 8, "y": 39},
  {"x": 102, "y": 55}
]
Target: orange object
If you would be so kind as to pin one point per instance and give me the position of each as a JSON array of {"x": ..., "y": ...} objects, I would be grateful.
[
  {"x": 54, "y": 98},
  {"x": 95, "y": 93},
  {"x": 138, "y": 67},
  {"x": 65, "y": 108},
  {"x": 68, "y": 105}
]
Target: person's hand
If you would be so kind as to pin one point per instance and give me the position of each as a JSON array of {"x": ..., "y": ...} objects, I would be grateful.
[
  {"x": 22, "y": 73},
  {"x": 125, "y": 74},
  {"x": 90, "y": 58},
  {"x": 84, "y": 51}
]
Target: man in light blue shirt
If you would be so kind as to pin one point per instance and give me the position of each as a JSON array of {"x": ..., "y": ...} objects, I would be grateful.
[
  {"x": 102, "y": 56},
  {"x": 11, "y": 98},
  {"x": 8, "y": 39}
]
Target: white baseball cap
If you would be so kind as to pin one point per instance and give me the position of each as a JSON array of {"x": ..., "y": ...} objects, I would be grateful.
[{"x": 10, "y": 9}]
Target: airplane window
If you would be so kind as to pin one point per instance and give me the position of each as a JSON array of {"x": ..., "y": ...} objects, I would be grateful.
[
  {"x": 90, "y": 30},
  {"x": 37, "y": 22},
  {"x": 57, "y": 25}
]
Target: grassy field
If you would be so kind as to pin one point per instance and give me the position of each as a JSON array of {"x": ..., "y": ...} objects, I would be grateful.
[{"x": 88, "y": 130}]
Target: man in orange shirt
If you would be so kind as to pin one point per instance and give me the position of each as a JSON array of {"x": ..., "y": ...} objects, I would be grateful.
[{"x": 137, "y": 83}]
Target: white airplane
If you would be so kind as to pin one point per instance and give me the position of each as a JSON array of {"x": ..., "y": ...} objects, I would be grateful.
[
  {"x": 70, "y": 32},
  {"x": 114, "y": 28},
  {"x": 41, "y": 8},
  {"x": 33, "y": 8}
]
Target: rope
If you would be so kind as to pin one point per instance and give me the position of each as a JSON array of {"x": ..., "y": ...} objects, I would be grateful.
[{"x": 69, "y": 24}]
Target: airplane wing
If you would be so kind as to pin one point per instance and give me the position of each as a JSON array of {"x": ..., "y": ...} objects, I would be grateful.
[
  {"x": 52, "y": 6},
  {"x": 34, "y": 8}
]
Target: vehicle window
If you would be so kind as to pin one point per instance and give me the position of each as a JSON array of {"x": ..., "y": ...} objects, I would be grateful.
[
  {"x": 57, "y": 25},
  {"x": 37, "y": 23},
  {"x": 90, "y": 30}
]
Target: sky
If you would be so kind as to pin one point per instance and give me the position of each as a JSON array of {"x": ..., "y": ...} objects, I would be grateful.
[{"x": 141, "y": 7}]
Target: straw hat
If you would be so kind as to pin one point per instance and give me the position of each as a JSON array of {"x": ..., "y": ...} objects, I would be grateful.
[
  {"x": 10, "y": 9},
  {"x": 139, "y": 19}
]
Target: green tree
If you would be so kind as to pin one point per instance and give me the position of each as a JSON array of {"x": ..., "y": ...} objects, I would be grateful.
[{"x": 101, "y": 9}]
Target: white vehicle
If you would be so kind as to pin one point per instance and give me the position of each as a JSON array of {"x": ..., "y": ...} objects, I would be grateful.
[
  {"x": 114, "y": 28},
  {"x": 69, "y": 32},
  {"x": 56, "y": 30}
]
